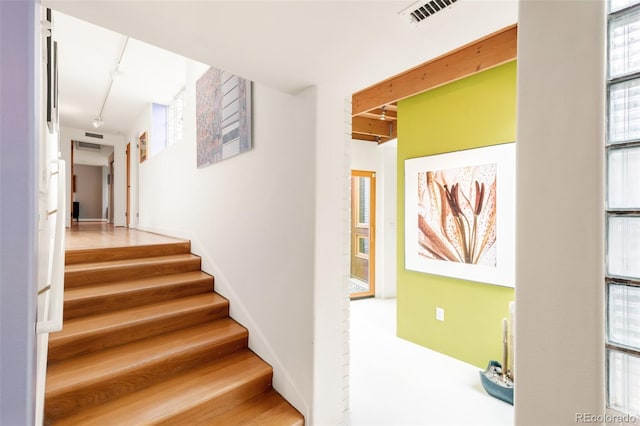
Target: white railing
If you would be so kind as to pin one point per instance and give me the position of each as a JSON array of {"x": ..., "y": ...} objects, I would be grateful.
[{"x": 54, "y": 290}]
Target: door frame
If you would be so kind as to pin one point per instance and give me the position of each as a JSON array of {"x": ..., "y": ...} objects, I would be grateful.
[
  {"x": 372, "y": 233},
  {"x": 72, "y": 186},
  {"x": 111, "y": 217},
  {"x": 128, "y": 211}
]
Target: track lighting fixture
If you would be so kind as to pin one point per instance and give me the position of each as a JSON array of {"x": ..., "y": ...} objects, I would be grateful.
[{"x": 115, "y": 73}]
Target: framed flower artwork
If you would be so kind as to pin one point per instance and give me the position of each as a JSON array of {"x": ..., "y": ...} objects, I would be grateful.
[{"x": 460, "y": 214}]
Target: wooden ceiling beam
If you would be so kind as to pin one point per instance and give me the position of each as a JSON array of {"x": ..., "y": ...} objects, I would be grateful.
[
  {"x": 367, "y": 138},
  {"x": 389, "y": 115},
  {"x": 489, "y": 52},
  {"x": 379, "y": 139},
  {"x": 371, "y": 126}
]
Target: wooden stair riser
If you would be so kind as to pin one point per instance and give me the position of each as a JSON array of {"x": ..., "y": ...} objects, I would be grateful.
[
  {"x": 115, "y": 299},
  {"x": 65, "y": 402},
  {"x": 63, "y": 348},
  {"x": 84, "y": 277},
  {"x": 73, "y": 257}
]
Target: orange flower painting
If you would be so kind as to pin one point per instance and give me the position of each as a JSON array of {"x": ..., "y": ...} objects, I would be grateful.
[{"x": 457, "y": 215}]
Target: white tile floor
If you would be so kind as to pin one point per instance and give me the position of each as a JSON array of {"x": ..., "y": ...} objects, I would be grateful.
[{"x": 395, "y": 382}]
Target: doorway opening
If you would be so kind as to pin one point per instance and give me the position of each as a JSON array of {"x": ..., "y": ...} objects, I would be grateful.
[
  {"x": 363, "y": 237},
  {"x": 91, "y": 181}
]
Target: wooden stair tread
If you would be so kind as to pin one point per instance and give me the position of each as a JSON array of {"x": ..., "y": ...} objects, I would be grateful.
[
  {"x": 97, "y": 298},
  {"x": 267, "y": 409},
  {"x": 134, "y": 323},
  {"x": 219, "y": 383},
  {"x": 98, "y": 266},
  {"x": 74, "y": 294},
  {"x": 83, "y": 274},
  {"x": 85, "y": 255}
]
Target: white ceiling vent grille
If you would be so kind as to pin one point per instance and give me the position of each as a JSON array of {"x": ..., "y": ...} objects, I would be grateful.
[{"x": 419, "y": 11}]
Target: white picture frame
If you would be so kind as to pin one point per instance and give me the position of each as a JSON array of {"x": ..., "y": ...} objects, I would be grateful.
[{"x": 460, "y": 214}]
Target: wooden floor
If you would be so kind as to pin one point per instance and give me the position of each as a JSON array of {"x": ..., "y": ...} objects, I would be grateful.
[{"x": 94, "y": 235}]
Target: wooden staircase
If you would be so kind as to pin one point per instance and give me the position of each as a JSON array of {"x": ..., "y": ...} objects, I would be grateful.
[{"x": 147, "y": 341}]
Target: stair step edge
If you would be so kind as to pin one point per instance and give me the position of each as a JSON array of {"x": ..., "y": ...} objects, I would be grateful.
[
  {"x": 81, "y": 267},
  {"x": 137, "y": 284},
  {"x": 80, "y": 255},
  {"x": 131, "y": 269}
]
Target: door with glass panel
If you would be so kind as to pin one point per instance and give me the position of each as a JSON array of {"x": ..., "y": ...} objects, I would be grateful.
[
  {"x": 363, "y": 198},
  {"x": 623, "y": 207}
]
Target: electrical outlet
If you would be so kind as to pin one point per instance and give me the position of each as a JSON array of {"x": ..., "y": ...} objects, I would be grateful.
[{"x": 440, "y": 314}]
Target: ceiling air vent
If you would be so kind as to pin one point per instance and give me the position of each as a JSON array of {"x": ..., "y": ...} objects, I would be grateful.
[
  {"x": 87, "y": 145},
  {"x": 418, "y": 11},
  {"x": 94, "y": 135}
]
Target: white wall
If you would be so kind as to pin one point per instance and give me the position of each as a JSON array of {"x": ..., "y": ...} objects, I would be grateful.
[
  {"x": 142, "y": 124},
  {"x": 250, "y": 217},
  {"x": 93, "y": 157},
  {"x": 388, "y": 228},
  {"x": 68, "y": 134},
  {"x": 559, "y": 366},
  {"x": 382, "y": 159},
  {"x": 331, "y": 258},
  {"x": 20, "y": 63}
]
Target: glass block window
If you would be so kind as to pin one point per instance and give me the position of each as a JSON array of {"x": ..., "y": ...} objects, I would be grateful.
[
  {"x": 624, "y": 382},
  {"x": 623, "y": 166},
  {"x": 624, "y": 49},
  {"x": 617, "y": 5},
  {"x": 624, "y": 315},
  {"x": 623, "y": 207},
  {"x": 623, "y": 246},
  {"x": 624, "y": 111}
]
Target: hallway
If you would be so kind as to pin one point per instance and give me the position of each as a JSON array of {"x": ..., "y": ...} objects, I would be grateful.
[{"x": 396, "y": 382}]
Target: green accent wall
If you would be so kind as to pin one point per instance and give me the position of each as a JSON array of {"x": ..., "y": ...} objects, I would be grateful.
[{"x": 473, "y": 112}]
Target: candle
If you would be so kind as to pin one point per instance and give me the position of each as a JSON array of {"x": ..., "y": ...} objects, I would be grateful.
[{"x": 505, "y": 346}]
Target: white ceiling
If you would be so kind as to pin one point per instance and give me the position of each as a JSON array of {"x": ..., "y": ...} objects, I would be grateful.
[
  {"x": 87, "y": 54},
  {"x": 289, "y": 45}
]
